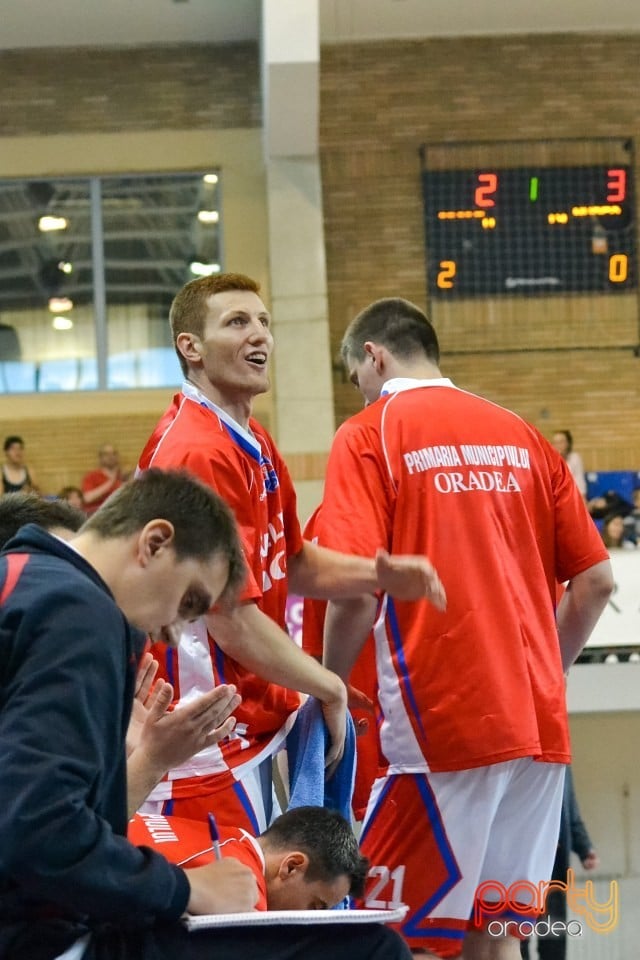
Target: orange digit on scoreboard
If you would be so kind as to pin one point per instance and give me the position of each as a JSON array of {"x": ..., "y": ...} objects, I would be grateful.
[
  {"x": 617, "y": 185},
  {"x": 446, "y": 274},
  {"x": 618, "y": 267},
  {"x": 487, "y": 184}
]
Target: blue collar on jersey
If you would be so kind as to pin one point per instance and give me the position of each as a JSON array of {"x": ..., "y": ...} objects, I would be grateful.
[{"x": 243, "y": 438}]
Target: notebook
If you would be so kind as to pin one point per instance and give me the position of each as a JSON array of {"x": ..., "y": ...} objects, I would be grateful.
[{"x": 268, "y": 917}]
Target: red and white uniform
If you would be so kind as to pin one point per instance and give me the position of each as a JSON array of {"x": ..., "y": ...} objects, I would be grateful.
[
  {"x": 431, "y": 469},
  {"x": 246, "y": 470}
]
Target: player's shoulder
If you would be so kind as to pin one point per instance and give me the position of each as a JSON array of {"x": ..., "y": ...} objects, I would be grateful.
[
  {"x": 188, "y": 425},
  {"x": 364, "y": 424},
  {"x": 260, "y": 431},
  {"x": 489, "y": 409}
]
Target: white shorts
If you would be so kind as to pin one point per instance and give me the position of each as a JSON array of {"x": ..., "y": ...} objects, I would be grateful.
[{"x": 433, "y": 839}]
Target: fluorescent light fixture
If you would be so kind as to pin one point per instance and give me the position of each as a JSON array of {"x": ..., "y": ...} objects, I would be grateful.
[
  {"x": 62, "y": 323},
  {"x": 208, "y": 216},
  {"x": 46, "y": 224},
  {"x": 203, "y": 269},
  {"x": 210, "y": 178},
  {"x": 60, "y": 304}
]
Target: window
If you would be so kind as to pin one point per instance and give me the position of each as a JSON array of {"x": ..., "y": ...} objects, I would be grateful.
[{"x": 88, "y": 270}]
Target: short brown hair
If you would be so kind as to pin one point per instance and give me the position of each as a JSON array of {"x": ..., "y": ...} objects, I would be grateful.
[
  {"x": 328, "y": 841},
  {"x": 397, "y": 324},
  {"x": 16, "y": 509},
  {"x": 204, "y": 526},
  {"x": 189, "y": 306}
]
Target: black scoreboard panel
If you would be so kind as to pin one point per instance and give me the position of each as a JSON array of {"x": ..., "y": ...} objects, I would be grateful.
[{"x": 529, "y": 231}]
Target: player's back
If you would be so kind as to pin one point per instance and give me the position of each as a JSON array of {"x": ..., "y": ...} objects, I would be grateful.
[{"x": 437, "y": 471}]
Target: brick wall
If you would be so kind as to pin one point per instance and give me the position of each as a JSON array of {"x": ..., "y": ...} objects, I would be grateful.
[
  {"x": 567, "y": 364},
  {"x": 89, "y": 90}
]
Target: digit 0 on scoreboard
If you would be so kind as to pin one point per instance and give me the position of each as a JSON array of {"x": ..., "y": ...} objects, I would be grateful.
[{"x": 618, "y": 267}]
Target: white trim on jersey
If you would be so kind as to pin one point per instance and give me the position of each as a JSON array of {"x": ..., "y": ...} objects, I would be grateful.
[{"x": 397, "y": 739}]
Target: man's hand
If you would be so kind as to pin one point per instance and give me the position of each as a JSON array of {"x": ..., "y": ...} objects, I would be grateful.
[
  {"x": 169, "y": 737},
  {"x": 159, "y": 739},
  {"x": 224, "y": 886},
  {"x": 409, "y": 577},
  {"x": 591, "y": 861},
  {"x": 334, "y": 711},
  {"x": 147, "y": 669},
  {"x": 357, "y": 700}
]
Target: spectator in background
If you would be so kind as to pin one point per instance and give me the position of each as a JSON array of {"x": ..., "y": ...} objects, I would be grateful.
[
  {"x": 16, "y": 476},
  {"x": 614, "y": 533},
  {"x": 606, "y": 504},
  {"x": 74, "y": 496},
  {"x": 562, "y": 440},
  {"x": 99, "y": 484},
  {"x": 632, "y": 520},
  {"x": 575, "y": 838}
]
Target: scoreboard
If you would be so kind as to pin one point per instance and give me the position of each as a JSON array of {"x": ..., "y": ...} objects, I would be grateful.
[{"x": 529, "y": 231}]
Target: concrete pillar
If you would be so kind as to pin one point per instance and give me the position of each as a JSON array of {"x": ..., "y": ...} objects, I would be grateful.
[{"x": 303, "y": 394}]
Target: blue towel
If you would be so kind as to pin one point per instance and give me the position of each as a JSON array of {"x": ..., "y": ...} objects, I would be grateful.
[{"x": 306, "y": 745}]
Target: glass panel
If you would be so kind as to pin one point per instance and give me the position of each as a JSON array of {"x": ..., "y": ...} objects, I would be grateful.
[
  {"x": 45, "y": 273},
  {"x": 155, "y": 228},
  {"x": 158, "y": 232},
  {"x": 17, "y": 377}
]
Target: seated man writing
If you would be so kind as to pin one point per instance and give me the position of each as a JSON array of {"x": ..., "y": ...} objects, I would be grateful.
[{"x": 308, "y": 859}]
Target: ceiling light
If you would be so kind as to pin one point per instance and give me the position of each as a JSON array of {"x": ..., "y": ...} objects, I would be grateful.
[
  {"x": 65, "y": 267},
  {"x": 46, "y": 224},
  {"x": 62, "y": 323},
  {"x": 60, "y": 304},
  {"x": 208, "y": 216},
  {"x": 203, "y": 269},
  {"x": 210, "y": 178}
]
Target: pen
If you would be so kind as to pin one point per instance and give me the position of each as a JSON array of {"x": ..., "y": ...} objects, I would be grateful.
[{"x": 215, "y": 836}]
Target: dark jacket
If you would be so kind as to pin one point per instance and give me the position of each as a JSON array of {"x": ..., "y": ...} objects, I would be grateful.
[{"x": 67, "y": 672}]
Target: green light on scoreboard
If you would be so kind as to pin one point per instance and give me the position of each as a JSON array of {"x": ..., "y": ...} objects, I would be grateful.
[{"x": 533, "y": 189}]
